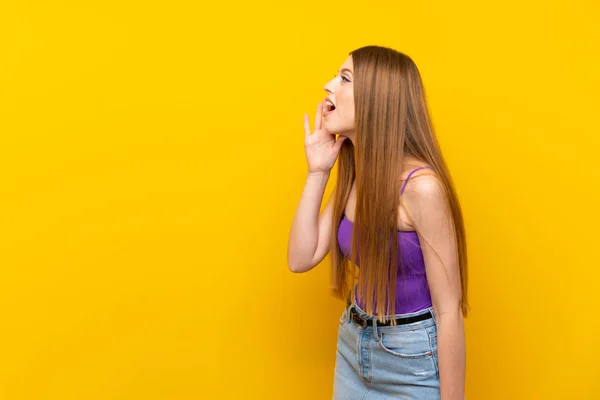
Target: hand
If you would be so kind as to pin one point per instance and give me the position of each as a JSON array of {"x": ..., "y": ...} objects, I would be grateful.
[{"x": 322, "y": 148}]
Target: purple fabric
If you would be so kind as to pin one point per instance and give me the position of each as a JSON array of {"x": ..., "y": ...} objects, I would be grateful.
[{"x": 412, "y": 291}]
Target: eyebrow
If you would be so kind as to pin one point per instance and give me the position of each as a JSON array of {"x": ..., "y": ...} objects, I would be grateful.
[{"x": 345, "y": 69}]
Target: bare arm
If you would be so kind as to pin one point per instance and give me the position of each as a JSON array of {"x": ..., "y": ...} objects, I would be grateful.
[
  {"x": 433, "y": 219},
  {"x": 310, "y": 233}
]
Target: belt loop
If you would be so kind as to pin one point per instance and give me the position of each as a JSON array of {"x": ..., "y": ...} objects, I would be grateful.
[
  {"x": 432, "y": 314},
  {"x": 376, "y": 333},
  {"x": 348, "y": 306},
  {"x": 347, "y": 311}
]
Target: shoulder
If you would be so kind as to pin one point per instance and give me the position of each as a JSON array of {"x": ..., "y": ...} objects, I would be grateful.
[
  {"x": 425, "y": 193},
  {"x": 414, "y": 170},
  {"x": 424, "y": 182},
  {"x": 421, "y": 178}
]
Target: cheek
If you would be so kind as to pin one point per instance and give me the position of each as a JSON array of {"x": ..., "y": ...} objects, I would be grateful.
[
  {"x": 348, "y": 110},
  {"x": 347, "y": 103}
]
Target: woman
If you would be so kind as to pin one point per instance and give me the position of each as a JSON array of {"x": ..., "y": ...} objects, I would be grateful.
[{"x": 401, "y": 334}]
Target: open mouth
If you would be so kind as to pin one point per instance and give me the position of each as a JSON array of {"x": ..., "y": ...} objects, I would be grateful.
[{"x": 329, "y": 107}]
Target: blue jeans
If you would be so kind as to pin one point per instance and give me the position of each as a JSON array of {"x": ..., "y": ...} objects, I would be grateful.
[{"x": 386, "y": 362}]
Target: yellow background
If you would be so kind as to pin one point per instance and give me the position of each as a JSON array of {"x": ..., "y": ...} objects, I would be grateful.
[{"x": 151, "y": 160}]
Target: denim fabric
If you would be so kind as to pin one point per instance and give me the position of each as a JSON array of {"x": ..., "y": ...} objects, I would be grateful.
[{"x": 388, "y": 362}]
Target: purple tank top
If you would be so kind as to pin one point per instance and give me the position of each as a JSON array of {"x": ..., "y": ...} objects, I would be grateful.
[{"x": 412, "y": 291}]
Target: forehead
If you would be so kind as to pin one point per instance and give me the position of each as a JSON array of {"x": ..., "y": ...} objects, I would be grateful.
[{"x": 347, "y": 64}]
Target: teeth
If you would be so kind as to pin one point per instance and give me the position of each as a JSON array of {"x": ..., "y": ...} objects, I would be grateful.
[{"x": 329, "y": 104}]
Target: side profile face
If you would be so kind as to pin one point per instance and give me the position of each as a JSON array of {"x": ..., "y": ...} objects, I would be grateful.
[{"x": 338, "y": 113}]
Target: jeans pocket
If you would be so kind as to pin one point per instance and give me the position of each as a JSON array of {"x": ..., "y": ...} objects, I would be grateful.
[{"x": 406, "y": 343}]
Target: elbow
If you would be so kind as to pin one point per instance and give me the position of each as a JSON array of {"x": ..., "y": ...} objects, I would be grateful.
[
  {"x": 295, "y": 267},
  {"x": 291, "y": 266},
  {"x": 450, "y": 313}
]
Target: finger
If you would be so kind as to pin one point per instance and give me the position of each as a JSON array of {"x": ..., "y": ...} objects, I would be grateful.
[
  {"x": 319, "y": 116},
  {"x": 306, "y": 126}
]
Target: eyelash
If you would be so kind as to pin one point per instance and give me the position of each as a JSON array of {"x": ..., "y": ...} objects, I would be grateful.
[{"x": 343, "y": 77}]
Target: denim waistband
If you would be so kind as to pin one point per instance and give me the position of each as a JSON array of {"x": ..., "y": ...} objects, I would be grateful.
[{"x": 419, "y": 324}]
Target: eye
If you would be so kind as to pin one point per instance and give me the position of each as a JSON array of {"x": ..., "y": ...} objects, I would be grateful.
[{"x": 342, "y": 76}]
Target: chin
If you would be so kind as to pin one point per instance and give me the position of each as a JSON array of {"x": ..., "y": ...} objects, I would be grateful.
[
  {"x": 340, "y": 132},
  {"x": 331, "y": 128}
]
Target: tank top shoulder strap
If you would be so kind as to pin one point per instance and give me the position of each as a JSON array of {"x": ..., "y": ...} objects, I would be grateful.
[{"x": 409, "y": 175}]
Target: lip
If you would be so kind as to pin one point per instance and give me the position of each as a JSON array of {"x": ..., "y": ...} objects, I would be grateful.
[{"x": 326, "y": 113}]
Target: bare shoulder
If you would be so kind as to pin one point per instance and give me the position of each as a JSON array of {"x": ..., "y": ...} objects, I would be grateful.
[
  {"x": 416, "y": 172},
  {"x": 424, "y": 182},
  {"x": 424, "y": 193}
]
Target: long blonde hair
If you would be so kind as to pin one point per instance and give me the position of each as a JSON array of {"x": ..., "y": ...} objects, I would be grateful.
[{"x": 391, "y": 119}]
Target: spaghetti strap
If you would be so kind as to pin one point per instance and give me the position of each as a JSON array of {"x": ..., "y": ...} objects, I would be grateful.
[{"x": 409, "y": 175}]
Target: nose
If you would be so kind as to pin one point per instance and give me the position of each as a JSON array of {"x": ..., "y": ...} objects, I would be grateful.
[{"x": 327, "y": 88}]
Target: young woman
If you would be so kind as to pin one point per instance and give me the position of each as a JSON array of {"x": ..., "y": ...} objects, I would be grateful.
[{"x": 401, "y": 335}]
